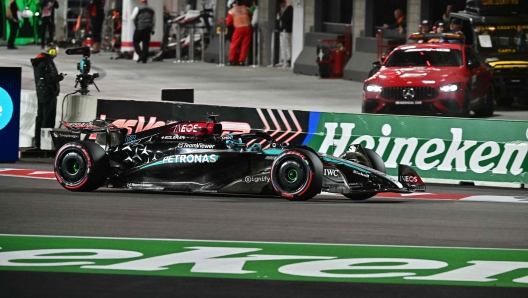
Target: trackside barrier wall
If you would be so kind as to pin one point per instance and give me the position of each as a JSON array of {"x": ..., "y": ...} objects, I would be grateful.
[
  {"x": 439, "y": 148},
  {"x": 492, "y": 152}
]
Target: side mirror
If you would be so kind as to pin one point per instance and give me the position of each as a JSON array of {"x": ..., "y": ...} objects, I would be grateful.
[
  {"x": 472, "y": 65},
  {"x": 376, "y": 64}
]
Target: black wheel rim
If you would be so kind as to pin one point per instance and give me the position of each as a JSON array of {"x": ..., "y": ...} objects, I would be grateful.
[
  {"x": 292, "y": 175},
  {"x": 72, "y": 167}
]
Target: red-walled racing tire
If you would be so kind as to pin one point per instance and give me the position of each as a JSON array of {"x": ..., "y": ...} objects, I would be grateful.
[
  {"x": 81, "y": 166},
  {"x": 297, "y": 175}
]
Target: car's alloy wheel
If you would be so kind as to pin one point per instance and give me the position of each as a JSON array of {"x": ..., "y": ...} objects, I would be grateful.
[
  {"x": 72, "y": 167},
  {"x": 297, "y": 175}
]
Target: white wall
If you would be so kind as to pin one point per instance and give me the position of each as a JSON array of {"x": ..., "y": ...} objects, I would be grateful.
[
  {"x": 60, "y": 20},
  {"x": 298, "y": 28}
]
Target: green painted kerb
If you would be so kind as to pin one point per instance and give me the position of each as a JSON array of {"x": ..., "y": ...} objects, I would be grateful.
[{"x": 267, "y": 261}]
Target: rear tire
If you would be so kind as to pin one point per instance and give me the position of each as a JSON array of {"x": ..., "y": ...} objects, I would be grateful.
[
  {"x": 487, "y": 111},
  {"x": 297, "y": 175},
  {"x": 81, "y": 166},
  {"x": 377, "y": 164}
]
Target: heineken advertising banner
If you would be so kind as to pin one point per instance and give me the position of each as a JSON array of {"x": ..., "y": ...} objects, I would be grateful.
[{"x": 441, "y": 148}]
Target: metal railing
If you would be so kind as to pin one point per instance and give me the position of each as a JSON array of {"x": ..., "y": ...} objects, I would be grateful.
[
  {"x": 256, "y": 47},
  {"x": 221, "y": 30}
]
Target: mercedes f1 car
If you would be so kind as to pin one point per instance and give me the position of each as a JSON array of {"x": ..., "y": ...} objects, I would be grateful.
[{"x": 200, "y": 157}]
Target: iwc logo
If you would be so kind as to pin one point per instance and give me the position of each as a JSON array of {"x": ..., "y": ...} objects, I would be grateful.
[{"x": 6, "y": 108}]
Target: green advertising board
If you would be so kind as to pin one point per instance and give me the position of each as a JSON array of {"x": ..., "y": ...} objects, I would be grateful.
[
  {"x": 440, "y": 148},
  {"x": 28, "y": 30},
  {"x": 267, "y": 260}
]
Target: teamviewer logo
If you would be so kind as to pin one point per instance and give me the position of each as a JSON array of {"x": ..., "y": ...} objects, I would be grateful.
[{"x": 6, "y": 108}]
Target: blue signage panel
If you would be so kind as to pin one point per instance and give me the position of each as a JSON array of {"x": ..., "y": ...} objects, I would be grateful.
[{"x": 10, "y": 84}]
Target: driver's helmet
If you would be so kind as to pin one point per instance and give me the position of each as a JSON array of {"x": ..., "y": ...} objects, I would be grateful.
[
  {"x": 236, "y": 145},
  {"x": 256, "y": 147}
]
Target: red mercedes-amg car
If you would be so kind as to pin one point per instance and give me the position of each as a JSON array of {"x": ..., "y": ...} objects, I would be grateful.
[{"x": 438, "y": 77}]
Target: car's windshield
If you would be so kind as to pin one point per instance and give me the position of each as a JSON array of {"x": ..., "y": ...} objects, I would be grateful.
[
  {"x": 425, "y": 57},
  {"x": 502, "y": 39}
]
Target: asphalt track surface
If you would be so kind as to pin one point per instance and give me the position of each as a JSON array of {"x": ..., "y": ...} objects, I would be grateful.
[{"x": 43, "y": 207}]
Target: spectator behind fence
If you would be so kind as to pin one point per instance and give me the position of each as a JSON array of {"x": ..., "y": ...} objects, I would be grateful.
[
  {"x": 425, "y": 27},
  {"x": 401, "y": 21},
  {"x": 440, "y": 27},
  {"x": 239, "y": 17},
  {"x": 285, "y": 17},
  {"x": 13, "y": 15},
  {"x": 454, "y": 27},
  {"x": 47, "y": 20}
]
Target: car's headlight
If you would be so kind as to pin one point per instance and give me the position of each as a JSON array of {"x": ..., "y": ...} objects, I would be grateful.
[
  {"x": 450, "y": 88},
  {"x": 373, "y": 88}
]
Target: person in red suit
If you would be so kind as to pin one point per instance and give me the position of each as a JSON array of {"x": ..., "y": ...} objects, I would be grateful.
[{"x": 239, "y": 17}]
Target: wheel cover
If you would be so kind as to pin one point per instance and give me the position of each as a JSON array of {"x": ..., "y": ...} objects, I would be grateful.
[
  {"x": 292, "y": 175},
  {"x": 71, "y": 166}
]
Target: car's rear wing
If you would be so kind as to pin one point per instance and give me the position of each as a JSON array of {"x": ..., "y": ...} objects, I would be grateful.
[
  {"x": 101, "y": 132},
  {"x": 96, "y": 126}
]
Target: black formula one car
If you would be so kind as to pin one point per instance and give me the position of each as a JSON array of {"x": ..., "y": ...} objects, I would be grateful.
[{"x": 200, "y": 157}]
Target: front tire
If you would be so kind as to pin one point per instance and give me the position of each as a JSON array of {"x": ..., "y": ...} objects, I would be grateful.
[
  {"x": 81, "y": 166},
  {"x": 297, "y": 175},
  {"x": 377, "y": 164}
]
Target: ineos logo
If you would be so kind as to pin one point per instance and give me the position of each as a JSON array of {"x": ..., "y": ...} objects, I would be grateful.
[
  {"x": 331, "y": 172},
  {"x": 408, "y": 93},
  {"x": 185, "y": 128},
  {"x": 409, "y": 179}
]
